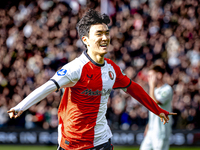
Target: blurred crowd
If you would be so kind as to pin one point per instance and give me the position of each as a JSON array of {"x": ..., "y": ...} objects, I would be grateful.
[{"x": 38, "y": 37}]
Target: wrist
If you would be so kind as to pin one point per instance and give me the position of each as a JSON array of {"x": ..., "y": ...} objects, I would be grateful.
[{"x": 152, "y": 85}]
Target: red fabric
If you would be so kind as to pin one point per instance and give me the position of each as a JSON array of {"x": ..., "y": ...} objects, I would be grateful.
[
  {"x": 136, "y": 91},
  {"x": 122, "y": 81}
]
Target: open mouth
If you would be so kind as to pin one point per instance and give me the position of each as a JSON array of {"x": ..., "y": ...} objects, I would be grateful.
[{"x": 104, "y": 45}]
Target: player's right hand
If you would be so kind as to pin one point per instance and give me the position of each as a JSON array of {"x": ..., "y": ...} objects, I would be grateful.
[{"x": 14, "y": 114}]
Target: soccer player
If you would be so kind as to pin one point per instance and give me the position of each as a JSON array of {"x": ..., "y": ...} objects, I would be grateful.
[
  {"x": 88, "y": 81},
  {"x": 156, "y": 134}
]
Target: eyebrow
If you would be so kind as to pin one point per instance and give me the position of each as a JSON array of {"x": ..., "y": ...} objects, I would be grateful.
[{"x": 102, "y": 31}]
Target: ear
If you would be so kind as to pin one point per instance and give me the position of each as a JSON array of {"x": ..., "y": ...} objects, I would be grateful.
[{"x": 85, "y": 40}]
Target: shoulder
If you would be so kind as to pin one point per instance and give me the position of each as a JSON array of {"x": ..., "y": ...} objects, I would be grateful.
[
  {"x": 109, "y": 61},
  {"x": 73, "y": 69},
  {"x": 114, "y": 65},
  {"x": 167, "y": 90},
  {"x": 77, "y": 63},
  {"x": 167, "y": 87}
]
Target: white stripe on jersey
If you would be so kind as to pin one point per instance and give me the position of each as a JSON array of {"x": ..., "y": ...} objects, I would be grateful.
[{"x": 102, "y": 130}]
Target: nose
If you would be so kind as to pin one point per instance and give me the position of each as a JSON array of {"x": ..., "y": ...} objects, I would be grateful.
[{"x": 105, "y": 37}]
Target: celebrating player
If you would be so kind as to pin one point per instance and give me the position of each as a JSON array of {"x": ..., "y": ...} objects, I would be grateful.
[
  {"x": 157, "y": 135},
  {"x": 88, "y": 81}
]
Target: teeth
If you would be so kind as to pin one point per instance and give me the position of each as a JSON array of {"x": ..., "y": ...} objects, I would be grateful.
[{"x": 103, "y": 44}]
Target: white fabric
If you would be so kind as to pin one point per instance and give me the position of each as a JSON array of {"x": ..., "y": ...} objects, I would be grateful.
[
  {"x": 73, "y": 73},
  {"x": 164, "y": 95},
  {"x": 59, "y": 133},
  {"x": 157, "y": 131},
  {"x": 151, "y": 142},
  {"x": 102, "y": 130},
  {"x": 67, "y": 80},
  {"x": 36, "y": 96}
]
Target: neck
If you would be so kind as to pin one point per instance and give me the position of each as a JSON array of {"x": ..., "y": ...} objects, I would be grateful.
[
  {"x": 160, "y": 83},
  {"x": 96, "y": 57}
]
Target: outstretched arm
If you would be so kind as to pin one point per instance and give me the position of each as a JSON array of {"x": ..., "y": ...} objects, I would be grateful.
[
  {"x": 65, "y": 77},
  {"x": 136, "y": 91},
  {"x": 33, "y": 98}
]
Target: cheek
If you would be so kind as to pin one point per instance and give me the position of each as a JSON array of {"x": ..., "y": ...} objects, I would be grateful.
[
  {"x": 93, "y": 43},
  {"x": 97, "y": 42}
]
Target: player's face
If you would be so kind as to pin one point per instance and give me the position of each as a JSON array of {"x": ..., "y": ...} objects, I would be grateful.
[{"x": 99, "y": 39}]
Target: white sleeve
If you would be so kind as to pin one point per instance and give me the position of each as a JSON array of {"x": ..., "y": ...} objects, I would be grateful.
[
  {"x": 65, "y": 77},
  {"x": 36, "y": 96},
  {"x": 68, "y": 75}
]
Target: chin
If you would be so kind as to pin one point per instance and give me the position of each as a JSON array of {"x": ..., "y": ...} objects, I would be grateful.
[
  {"x": 104, "y": 51},
  {"x": 101, "y": 51}
]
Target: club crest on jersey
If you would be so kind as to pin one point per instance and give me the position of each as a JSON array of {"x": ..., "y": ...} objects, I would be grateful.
[
  {"x": 111, "y": 75},
  {"x": 61, "y": 72}
]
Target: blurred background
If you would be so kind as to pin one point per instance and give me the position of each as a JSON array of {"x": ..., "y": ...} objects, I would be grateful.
[{"x": 38, "y": 37}]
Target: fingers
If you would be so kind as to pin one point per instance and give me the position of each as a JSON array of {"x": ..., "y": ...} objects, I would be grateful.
[
  {"x": 9, "y": 111},
  {"x": 18, "y": 114},
  {"x": 13, "y": 114},
  {"x": 166, "y": 120},
  {"x": 172, "y": 113}
]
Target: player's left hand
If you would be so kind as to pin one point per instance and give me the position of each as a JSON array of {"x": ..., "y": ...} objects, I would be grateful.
[{"x": 164, "y": 118}]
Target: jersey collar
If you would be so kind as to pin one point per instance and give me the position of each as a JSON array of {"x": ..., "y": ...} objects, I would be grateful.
[{"x": 97, "y": 64}]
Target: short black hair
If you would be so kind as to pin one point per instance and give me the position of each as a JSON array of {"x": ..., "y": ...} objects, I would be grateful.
[
  {"x": 90, "y": 18},
  {"x": 157, "y": 68}
]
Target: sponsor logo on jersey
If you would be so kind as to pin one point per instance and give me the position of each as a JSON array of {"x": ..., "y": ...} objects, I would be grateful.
[
  {"x": 61, "y": 72},
  {"x": 111, "y": 75},
  {"x": 97, "y": 92}
]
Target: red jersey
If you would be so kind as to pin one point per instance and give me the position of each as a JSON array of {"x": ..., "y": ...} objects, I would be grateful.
[{"x": 82, "y": 121}]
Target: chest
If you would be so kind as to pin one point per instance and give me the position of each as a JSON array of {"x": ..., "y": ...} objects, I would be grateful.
[{"x": 97, "y": 78}]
